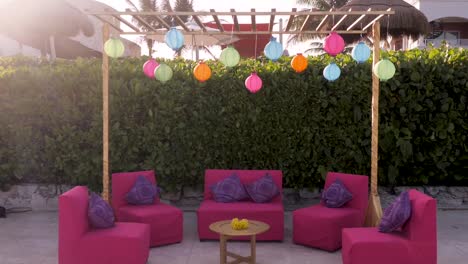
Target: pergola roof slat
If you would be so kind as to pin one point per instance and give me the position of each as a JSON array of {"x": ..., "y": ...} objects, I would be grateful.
[
  {"x": 130, "y": 25},
  {"x": 199, "y": 23},
  {"x": 181, "y": 23},
  {"x": 160, "y": 20},
  {"x": 254, "y": 24},
  {"x": 105, "y": 21},
  {"x": 375, "y": 20},
  {"x": 234, "y": 19},
  {"x": 357, "y": 20},
  {"x": 161, "y": 17},
  {"x": 290, "y": 20},
  {"x": 272, "y": 19},
  {"x": 340, "y": 21},
  {"x": 144, "y": 22},
  {"x": 216, "y": 19}
]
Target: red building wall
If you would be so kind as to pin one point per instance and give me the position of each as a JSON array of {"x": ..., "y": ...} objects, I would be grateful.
[{"x": 246, "y": 45}]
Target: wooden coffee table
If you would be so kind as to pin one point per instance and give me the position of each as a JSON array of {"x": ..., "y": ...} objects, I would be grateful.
[{"x": 225, "y": 231}]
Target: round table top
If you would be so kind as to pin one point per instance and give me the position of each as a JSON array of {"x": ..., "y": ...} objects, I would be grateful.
[{"x": 224, "y": 228}]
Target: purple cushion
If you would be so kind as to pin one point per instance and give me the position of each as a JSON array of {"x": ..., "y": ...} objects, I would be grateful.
[
  {"x": 263, "y": 190},
  {"x": 100, "y": 213},
  {"x": 336, "y": 195},
  {"x": 229, "y": 190},
  {"x": 396, "y": 214},
  {"x": 143, "y": 192}
]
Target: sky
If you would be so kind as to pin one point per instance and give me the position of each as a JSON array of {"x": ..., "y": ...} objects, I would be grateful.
[{"x": 220, "y": 5}]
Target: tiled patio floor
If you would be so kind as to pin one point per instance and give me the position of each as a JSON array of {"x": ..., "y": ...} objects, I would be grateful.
[{"x": 31, "y": 238}]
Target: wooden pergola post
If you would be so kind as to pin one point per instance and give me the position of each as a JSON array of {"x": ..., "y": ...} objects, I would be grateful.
[
  {"x": 374, "y": 209},
  {"x": 105, "y": 115}
]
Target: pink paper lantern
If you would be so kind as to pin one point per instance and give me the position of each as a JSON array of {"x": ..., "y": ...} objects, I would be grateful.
[
  {"x": 253, "y": 83},
  {"x": 334, "y": 44},
  {"x": 149, "y": 67}
]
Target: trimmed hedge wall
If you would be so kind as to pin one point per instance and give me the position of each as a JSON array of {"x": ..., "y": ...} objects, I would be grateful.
[{"x": 50, "y": 115}]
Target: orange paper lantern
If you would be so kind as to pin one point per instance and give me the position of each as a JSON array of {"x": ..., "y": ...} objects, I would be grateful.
[
  {"x": 202, "y": 72},
  {"x": 299, "y": 63}
]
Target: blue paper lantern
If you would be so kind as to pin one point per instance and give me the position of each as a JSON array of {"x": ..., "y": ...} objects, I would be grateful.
[
  {"x": 361, "y": 52},
  {"x": 273, "y": 50},
  {"x": 331, "y": 72},
  {"x": 174, "y": 39}
]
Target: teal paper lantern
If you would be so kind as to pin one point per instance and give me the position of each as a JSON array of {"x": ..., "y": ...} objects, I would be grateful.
[
  {"x": 114, "y": 47},
  {"x": 174, "y": 39},
  {"x": 331, "y": 72},
  {"x": 229, "y": 57},
  {"x": 163, "y": 73},
  {"x": 361, "y": 52},
  {"x": 273, "y": 50},
  {"x": 384, "y": 69}
]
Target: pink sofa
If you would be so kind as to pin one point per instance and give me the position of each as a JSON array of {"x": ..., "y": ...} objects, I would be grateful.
[
  {"x": 271, "y": 213},
  {"x": 417, "y": 244},
  {"x": 320, "y": 227},
  {"x": 166, "y": 221},
  {"x": 125, "y": 243}
]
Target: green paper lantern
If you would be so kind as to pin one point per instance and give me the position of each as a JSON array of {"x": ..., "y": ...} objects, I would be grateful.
[
  {"x": 163, "y": 73},
  {"x": 114, "y": 47},
  {"x": 229, "y": 57},
  {"x": 384, "y": 69}
]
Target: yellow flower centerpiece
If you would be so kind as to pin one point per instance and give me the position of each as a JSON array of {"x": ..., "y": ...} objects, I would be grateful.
[{"x": 239, "y": 225}]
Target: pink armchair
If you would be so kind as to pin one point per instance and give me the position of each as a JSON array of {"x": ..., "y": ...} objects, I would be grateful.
[
  {"x": 417, "y": 244},
  {"x": 320, "y": 227},
  {"x": 125, "y": 243},
  {"x": 166, "y": 221},
  {"x": 211, "y": 211}
]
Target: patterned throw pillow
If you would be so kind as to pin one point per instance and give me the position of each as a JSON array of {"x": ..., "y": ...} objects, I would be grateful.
[
  {"x": 100, "y": 213},
  {"x": 229, "y": 190},
  {"x": 143, "y": 192},
  {"x": 336, "y": 195},
  {"x": 396, "y": 215},
  {"x": 263, "y": 190}
]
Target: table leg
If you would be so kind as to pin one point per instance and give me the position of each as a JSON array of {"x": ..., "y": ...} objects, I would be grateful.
[
  {"x": 222, "y": 249},
  {"x": 253, "y": 248}
]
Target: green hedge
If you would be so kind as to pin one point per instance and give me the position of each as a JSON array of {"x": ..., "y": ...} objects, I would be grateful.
[{"x": 50, "y": 115}]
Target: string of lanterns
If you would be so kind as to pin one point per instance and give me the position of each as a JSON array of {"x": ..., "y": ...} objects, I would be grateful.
[{"x": 230, "y": 57}]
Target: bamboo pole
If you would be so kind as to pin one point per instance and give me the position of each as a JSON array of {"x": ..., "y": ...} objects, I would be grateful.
[
  {"x": 374, "y": 210},
  {"x": 105, "y": 115}
]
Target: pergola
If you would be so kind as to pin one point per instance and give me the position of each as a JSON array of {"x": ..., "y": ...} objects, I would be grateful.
[{"x": 372, "y": 17}]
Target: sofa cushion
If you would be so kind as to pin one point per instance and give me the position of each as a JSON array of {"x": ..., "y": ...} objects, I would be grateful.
[
  {"x": 100, "y": 213},
  {"x": 229, "y": 190},
  {"x": 262, "y": 190},
  {"x": 143, "y": 192},
  {"x": 396, "y": 214},
  {"x": 336, "y": 195}
]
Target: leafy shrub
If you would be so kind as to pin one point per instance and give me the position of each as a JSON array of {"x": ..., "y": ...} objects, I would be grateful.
[{"x": 299, "y": 123}]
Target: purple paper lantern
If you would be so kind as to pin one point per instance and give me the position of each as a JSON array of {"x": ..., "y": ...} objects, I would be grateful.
[
  {"x": 253, "y": 83},
  {"x": 149, "y": 67},
  {"x": 333, "y": 44}
]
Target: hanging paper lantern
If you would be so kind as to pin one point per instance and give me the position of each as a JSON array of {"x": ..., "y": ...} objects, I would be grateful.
[
  {"x": 202, "y": 72},
  {"x": 299, "y": 63},
  {"x": 253, "y": 83},
  {"x": 174, "y": 39},
  {"x": 361, "y": 52},
  {"x": 334, "y": 44},
  {"x": 163, "y": 73},
  {"x": 331, "y": 72},
  {"x": 114, "y": 47},
  {"x": 229, "y": 57},
  {"x": 149, "y": 67},
  {"x": 384, "y": 69},
  {"x": 273, "y": 50}
]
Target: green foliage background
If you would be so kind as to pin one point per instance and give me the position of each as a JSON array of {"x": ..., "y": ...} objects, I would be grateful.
[{"x": 51, "y": 121}]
